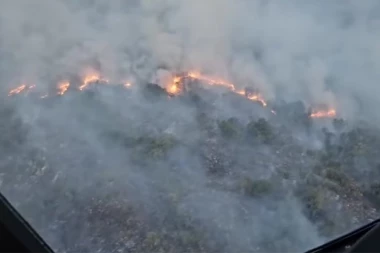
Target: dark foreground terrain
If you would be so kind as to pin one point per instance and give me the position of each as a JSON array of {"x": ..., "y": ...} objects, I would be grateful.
[{"x": 139, "y": 171}]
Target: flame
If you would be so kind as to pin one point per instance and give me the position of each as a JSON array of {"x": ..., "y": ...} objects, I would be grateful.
[
  {"x": 92, "y": 78},
  {"x": 20, "y": 89},
  {"x": 240, "y": 92},
  {"x": 214, "y": 81},
  {"x": 209, "y": 80},
  {"x": 323, "y": 114},
  {"x": 63, "y": 87},
  {"x": 17, "y": 90},
  {"x": 258, "y": 98},
  {"x": 173, "y": 88}
]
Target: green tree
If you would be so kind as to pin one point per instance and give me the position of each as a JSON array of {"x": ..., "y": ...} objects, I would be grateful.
[
  {"x": 338, "y": 124},
  {"x": 155, "y": 147},
  {"x": 230, "y": 128},
  {"x": 255, "y": 188},
  {"x": 261, "y": 130}
]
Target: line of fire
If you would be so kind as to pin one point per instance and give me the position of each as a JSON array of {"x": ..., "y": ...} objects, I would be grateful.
[{"x": 179, "y": 84}]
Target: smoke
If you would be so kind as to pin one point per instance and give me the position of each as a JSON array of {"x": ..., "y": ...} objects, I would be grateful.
[
  {"x": 300, "y": 44},
  {"x": 316, "y": 52},
  {"x": 289, "y": 49}
]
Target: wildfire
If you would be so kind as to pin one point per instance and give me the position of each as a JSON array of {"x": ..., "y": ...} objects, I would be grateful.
[
  {"x": 258, "y": 98},
  {"x": 19, "y": 89},
  {"x": 323, "y": 114},
  {"x": 63, "y": 87},
  {"x": 93, "y": 78},
  {"x": 210, "y": 80},
  {"x": 173, "y": 88}
]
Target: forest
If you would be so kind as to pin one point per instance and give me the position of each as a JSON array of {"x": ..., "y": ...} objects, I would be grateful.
[{"x": 137, "y": 170}]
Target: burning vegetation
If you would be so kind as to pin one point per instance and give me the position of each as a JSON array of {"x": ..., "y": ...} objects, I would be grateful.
[
  {"x": 63, "y": 87},
  {"x": 176, "y": 86},
  {"x": 331, "y": 113},
  {"x": 20, "y": 89}
]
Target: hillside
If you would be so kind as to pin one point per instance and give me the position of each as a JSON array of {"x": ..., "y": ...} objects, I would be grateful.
[{"x": 137, "y": 170}]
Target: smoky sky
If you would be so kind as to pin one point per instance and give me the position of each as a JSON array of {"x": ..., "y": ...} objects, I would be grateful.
[{"x": 319, "y": 52}]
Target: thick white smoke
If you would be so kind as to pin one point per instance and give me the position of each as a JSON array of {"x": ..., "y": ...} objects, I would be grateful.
[{"x": 289, "y": 49}]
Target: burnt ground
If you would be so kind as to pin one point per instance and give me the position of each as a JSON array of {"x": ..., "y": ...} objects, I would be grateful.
[{"x": 139, "y": 171}]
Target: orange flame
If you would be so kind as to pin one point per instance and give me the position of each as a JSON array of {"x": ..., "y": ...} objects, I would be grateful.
[
  {"x": 240, "y": 92},
  {"x": 92, "y": 78},
  {"x": 258, "y": 98},
  {"x": 210, "y": 80},
  {"x": 173, "y": 88},
  {"x": 20, "y": 89},
  {"x": 63, "y": 87},
  {"x": 213, "y": 81},
  {"x": 324, "y": 114},
  {"x": 17, "y": 90}
]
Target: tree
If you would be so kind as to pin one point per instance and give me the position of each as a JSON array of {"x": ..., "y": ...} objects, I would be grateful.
[
  {"x": 260, "y": 130},
  {"x": 230, "y": 128},
  {"x": 255, "y": 188},
  {"x": 338, "y": 124}
]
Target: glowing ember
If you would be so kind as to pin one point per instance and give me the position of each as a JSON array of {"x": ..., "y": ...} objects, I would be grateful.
[
  {"x": 324, "y": 114},
  {"x": 63, "y": 87}
]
